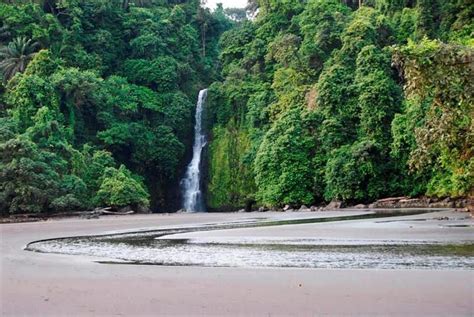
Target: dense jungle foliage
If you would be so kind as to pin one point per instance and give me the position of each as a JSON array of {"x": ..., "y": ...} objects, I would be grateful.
[
  {"x": 346, "y": 100},
  {"x": 310, "y": 101},
  {"x": 97, "y": 100}
]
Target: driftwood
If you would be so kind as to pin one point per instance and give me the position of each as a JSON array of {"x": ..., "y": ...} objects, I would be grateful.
[
  {"x": 106, "y": 212},
  {"x": 392, "y": 199}
]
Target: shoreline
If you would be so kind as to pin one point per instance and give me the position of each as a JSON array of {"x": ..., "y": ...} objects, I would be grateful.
[
  {"x": 56, "y": 284},
  {"x": 459, "y": 204}
]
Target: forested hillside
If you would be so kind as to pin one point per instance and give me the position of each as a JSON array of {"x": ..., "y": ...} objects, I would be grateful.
[
  {"x": 309, "y": 102},
  {"x": 352, "y": 101},
  {"x": 97, "y": 100}
]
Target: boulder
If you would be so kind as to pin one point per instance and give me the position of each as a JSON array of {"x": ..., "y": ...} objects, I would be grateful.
[
  {"x": 448, "y": 203},
  {"x": 304, "y": 208},
  {"x": 334, "y": 205},
  {"x": 420, "y": 202},
  {"x": 313, "y": 208},
  {"x": 402, "y": 202},
  {"x": 413, "y": 203},
  {"x": 360, "y": 206},
  {"x": 460, "y": 203},
  {"x": 470, "y": 208},
  {"x": 286, "y": 208},
  {"x": 389, "y": 202}
]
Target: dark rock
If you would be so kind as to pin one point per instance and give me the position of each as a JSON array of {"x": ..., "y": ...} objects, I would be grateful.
[
  {"x": 460, "y": 203},
  {"x": 421, "y": 202},
  {"x": 143, "y": 210},
  {"x": 389, "y": 202},
  {"x": 413, "y": 203},
  {"x": 313, "y": 208},
  {"x": 448, "y": 202},
  {"x": 124, "y": 209},
  {"x": 400, "y": 202}
]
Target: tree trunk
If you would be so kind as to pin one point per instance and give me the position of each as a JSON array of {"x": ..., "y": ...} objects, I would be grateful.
[{"x": 203, "y": 37}]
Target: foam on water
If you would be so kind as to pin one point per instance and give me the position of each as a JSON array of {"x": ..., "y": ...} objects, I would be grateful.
[{"x": 158, "y": 247}]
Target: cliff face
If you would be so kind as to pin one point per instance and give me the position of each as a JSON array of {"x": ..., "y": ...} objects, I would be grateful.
[{"x": 230, "y": 181}]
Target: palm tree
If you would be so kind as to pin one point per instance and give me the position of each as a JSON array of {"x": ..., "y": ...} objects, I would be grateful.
[
  {"x": 4, "y": 32},
  {"x": 15, "y": 56}
]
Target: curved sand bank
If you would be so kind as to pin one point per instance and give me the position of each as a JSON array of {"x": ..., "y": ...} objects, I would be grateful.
[
  {"x": 440, "y": 226},
  {"x": 48, "y": 284}
]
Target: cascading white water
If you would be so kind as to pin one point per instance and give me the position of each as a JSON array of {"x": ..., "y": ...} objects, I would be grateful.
[{"x": 191, "y": 183}]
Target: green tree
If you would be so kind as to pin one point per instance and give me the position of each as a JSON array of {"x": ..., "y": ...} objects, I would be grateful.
[
  {"x": 321, "y": 24},
  {"x": 119, "y": 188},
  {"x": 283, "y": 166},
  {"x": 27, "y": 182},
  {"x": 16, "y": 55},
  {"x": 437, "y": 77},
  {"x": 26, "y": 95},
  {"x": 353, "y": 173},
  {"x": 379, "y": 96}
]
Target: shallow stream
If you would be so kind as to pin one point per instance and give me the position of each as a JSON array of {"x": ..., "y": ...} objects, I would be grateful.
[{"x": 158, "y": 247}]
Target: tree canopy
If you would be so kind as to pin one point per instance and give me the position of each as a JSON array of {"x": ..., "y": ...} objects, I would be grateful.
[
  {"x": 345, "y": 100},
  {"x": 308, "y": 102},
  {"x": 97, "y": 100}
]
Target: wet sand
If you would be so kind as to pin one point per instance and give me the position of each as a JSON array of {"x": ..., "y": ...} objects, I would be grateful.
[{"x": 39, "y": 284}]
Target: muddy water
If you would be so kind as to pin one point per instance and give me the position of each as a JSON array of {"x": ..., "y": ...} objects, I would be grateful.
[{"x": 157, "y": 247}]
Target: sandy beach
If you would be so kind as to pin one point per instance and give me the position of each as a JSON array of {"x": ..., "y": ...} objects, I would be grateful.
[{"x": 37, "y": 284}]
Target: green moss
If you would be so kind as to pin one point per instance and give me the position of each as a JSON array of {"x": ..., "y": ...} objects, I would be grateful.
[{"x": 230, "y": 178}]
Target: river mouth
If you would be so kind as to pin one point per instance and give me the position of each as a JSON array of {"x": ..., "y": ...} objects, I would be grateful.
[{"x": 158, "y": 247}]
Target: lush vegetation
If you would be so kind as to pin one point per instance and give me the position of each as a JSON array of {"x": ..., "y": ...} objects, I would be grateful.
[
  {"x": 309, "y": 101},
  {"x": 326, "y": 100},
  {"x": 96, "y": 100}
]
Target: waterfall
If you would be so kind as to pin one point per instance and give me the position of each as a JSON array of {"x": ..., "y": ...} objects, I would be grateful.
[{"x": 191, "y": 183}]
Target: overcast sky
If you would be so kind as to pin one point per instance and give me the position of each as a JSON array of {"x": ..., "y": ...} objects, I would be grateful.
[{"x": 227, "y": 3}]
